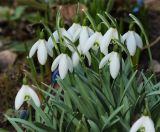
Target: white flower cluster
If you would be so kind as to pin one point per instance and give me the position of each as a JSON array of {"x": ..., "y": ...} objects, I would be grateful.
[{"x": 88, "y": 39}]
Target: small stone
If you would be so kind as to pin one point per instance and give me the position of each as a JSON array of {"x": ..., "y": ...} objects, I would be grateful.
[
  {"x": 7, "y": 58},
  {"x": 155, "y": 66}
]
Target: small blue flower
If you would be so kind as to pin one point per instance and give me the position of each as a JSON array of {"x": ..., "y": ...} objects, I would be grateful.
[
  {"x": 54, "y": 76},
  {"x": 23, "y": 114},
  {"x": 136, "y": 10}
]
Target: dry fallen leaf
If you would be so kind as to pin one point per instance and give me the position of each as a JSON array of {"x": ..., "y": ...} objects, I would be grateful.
[{"x": 69, "y": 11}]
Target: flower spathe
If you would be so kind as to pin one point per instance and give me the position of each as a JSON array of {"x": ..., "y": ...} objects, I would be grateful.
[
  {"x": 42, "y": 49},
  {"x": 112, "y": 33},
  {"x": 26, "y": 91},
  {"x": 132, "y": 40},
  {"x": 144, "y": 122},
  {"x": 114, "y": 63},
  {"x": 64, "y": 63}
]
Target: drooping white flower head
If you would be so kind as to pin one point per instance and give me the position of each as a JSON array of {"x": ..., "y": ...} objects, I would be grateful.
[
  {"x": 112, "y": 33},
  {"x": 114, "y": 63},
  {"x": 85, "y": 33},
  {"x": 144, "y": 122},
  {"x": 42, "y": 49},
  {"x": 94, "y": 38},
  {"x": 64, "y": 63},
  {"x": 133, "y": 40},
  {"x": 74, "y": 31},
  {"x": 26, "y": 91},
  {"x": 76, "y": 57}
]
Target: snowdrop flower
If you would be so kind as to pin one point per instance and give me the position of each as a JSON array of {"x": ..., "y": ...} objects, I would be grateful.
[
  {"x": 95, "y": 38},
  {"x": 74, "y": 31},
  {"x": 112, "y": 33},
  {"x": 42, "y": 50},
  {"x": 114, "y": 63},
  {"x": 144, "y": 122},
  {"x": 76, "y": 59},
  {"x": 23, "y": 94},
  {"x": 85, "y": 33},
  {"x": 64, "y": 63},
  {"x": 133, "y": 40}
]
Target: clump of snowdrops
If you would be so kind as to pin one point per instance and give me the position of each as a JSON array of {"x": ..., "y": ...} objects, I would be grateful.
[{"x": 95, "y": 86}]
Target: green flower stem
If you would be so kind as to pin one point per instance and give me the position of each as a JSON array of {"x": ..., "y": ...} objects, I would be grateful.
[
  {"x": 105, "y": 21},
  {"x": 58, "y": 19},
  {"x": 90, "y": 19}
]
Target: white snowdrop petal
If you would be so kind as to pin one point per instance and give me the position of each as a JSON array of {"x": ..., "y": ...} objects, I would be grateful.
[
  {"x": 104, "y": 61},
  {"x": 66, "y": 34},
  {"x": 75, "y": 59},
  {"x": 148, "y": 124},
  {"x": 106, "y": 39},
  {"x": 105, "y": 51},
  {"x": 33, "y": 49},
  {"x": 49, "y": 48},
  {"x": 115, "y": 34},
  {"x": 56, "y": 62},
  {"x": 42, "y": 53},
  {"x": 76, "y": 34},
  {"x": 90, "y": 42},
  {"x": 70, "y": 64},
  {"x": 88, "y": 58},
  {"x": 90, "y": 31},
  {"x": 20, "y": 97},
  {"x": 138, "y": 124},
  {"x": 34, "y": 96},
  {"x": 83, "y": 36},
  {"x": 56, "y": 36},
  {"x": 114, "y": 65},
  {"x": 125, "y": 36},
  {"x": 63, "y": 67},
  {"x": 49, "y": 51},
  {"x": 139, "y": 41},
  {"x": 72, "y": 29},
  {"x": 131, "y": 44},
  {"x": 50, "y": 42}
]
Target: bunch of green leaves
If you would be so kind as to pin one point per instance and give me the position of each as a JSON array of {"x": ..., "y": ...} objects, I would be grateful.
[{"x": 89, "y": 101}]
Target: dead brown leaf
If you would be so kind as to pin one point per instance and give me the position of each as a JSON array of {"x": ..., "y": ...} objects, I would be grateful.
[{"x": 69, "y": 11}]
